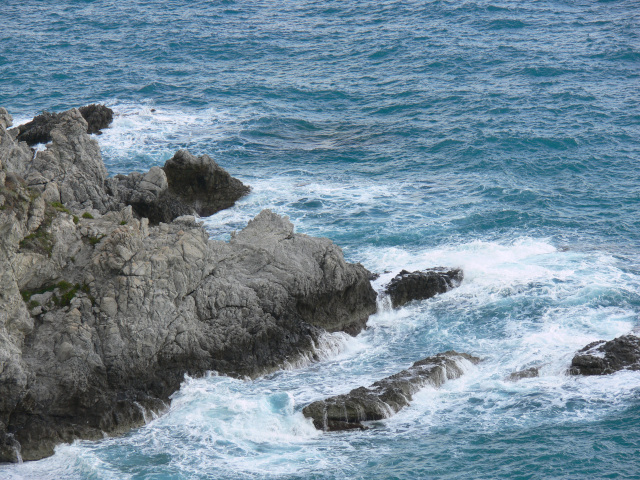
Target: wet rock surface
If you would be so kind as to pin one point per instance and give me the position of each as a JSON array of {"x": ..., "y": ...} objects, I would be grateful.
[
  {"x": 526, "y": 373},
  {"x": 102, "y": 314},
  {"x": 421, "y": 285},
  {"x": 387, "y": 396},
  {"x": 603, "y": 358}
]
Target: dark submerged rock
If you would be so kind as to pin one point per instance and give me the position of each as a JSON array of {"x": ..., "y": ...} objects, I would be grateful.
[
  {"x": 387, "y": 396},
  {"x": 420, "y": 285},
  {"x": 526, "y": 373},
  {"x": 603, "y": 358}
]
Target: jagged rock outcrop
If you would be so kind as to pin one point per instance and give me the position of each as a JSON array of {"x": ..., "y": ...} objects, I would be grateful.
[
  {"x": 97, "y": 117},
  {"x": 603, "y": 358},
  {"x": 185, "y": 185},
  {"x": 70, "y": 170},
  {"x": 199, "y": 181},
  {"x": 420, "y": 285},
  {"x": 39, "y": 129},
  {"x": 14, "y": 155},
  {"x": 387, "y": 396},
  {"x": 102, "y": 314}
]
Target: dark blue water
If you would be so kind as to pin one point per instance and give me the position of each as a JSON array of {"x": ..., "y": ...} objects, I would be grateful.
[{"x": 498, "y": 136}]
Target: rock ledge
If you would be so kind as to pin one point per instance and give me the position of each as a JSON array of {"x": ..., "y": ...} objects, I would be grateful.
[{"x": 387, "y": 396}]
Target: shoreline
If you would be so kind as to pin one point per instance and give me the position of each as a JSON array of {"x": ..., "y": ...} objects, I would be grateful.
[
  {"x": 107, "y": 311},
  {"x": 117, "y": 292}
]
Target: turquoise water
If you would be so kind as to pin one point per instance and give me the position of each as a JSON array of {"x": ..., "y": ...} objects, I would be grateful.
[{"x": 501, "y": 137}]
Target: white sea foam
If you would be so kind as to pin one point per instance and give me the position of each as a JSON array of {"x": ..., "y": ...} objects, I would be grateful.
[
  {"x": 252, "y": 429},
  {"x": 143, "y": 135},
  {"x": 286, "y": 194},
  {"x": 329, "y": 346},
  {"x": 561, "y": 293},
  {"x": 523, "y": 303}
]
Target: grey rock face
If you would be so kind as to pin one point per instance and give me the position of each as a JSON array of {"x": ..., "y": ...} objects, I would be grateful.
[
  {"x": 603, "y": 358},
  {"x": 72, "y": 162},
  {"x": 387, "y": 396},
  {"x": 39, "y": 129},
  {"x": 6, "y": 120},
  {"x": 14, "y": 155},
  {"x": 102, "y": 315},
  {"x": 420, "y": 285},
  {"x": 149, "y": 196}
]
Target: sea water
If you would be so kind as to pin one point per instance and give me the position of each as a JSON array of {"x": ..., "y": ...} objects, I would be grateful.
[{"x": 497, "y": 136}]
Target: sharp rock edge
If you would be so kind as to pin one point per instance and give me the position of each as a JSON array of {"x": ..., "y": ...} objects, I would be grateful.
[{"x": 102, "y": 313}]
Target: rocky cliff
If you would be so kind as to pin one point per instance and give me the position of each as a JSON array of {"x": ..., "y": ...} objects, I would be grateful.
[{"x": 102, "y": 312}]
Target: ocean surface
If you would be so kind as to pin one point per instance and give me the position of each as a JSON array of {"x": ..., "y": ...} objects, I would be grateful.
[{"x": 498, "y": 136}]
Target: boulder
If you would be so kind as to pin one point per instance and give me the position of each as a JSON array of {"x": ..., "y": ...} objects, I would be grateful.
[
  {"x": 39, "y": 129},
  {"x": 603, "y": 358},
  {"x": 420, "y": 285},
  {"x": 387, "y": 396},
  {"x": 200, "y": 182},
  {"x": 97, "y": 117},
  {"x": 149, "y": 196},
  {"x": 185, "y": 185},
  {"x": 526, "y": 373}
]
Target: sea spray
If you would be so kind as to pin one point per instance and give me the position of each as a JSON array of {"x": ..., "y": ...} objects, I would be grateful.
[{"x": 497, "y": 137}]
